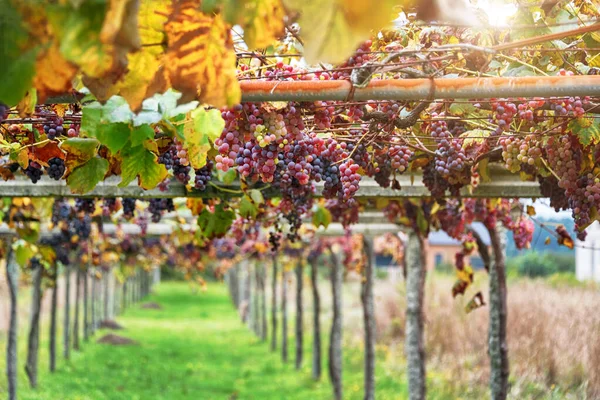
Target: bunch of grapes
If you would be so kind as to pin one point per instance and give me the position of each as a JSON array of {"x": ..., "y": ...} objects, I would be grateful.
[
  {"x": 56, "y": 168},
  {"x": 517, "y": 151},
  {"x": 569, "y": 107},
  {"x": 81, "y": 227},
  {"x": 450, "y": 157},
  {"x": 274, "y": 239},
  {"x": 33, "y": 171},
  {"x": 203, "y": 176},
  {"x": 54, "y": 128},
  {"x": 73, "y": 131},
  {"x": 109, "y": 205},
  {"x": 523, "y": 232},
  {"x": 61, "y": 212},
  {"x": 549, "y": 188},
  {"x": 238, "y": 119},
  {"x": 361, "y": 56},
  {"x": 128, "y": 207},
  {"x": 323, "y": 114},
  {"x": 4, "y": 109},
  {"x": 503, "y": 114},
  {"x": 564, "y": 155},
  {"x": 158, "y": 206},
  {"x": 350, "y": 179},
  {"x": 343, "y": 212},
  {"x": 175, "y": 158},
  {"x": 87, "y": 206},
  {"x": 452, "y": 218}
]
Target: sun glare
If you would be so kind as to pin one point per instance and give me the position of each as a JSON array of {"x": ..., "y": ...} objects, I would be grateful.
[{"x": 498, "y": 12}]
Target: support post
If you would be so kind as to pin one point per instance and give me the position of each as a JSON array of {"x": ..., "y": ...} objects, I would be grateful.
[
  {"x": 368, "y": 304},
  {"x": 12, "y": 278},
  {"x": 497, "y": 344},
  {"x": 263, "y": 303},
  {"x": 33, "y": 342},
  {"x": 316, "y": 356},
  {"x": 77, "y": 303},
  {"x": 274, "y": 304},
  {"x": 414, "y": 346},
  {"x": 335, "y": 341},
  {"x": 284, "y": 317},
  {"x": 53, "y": 311},
  {"x": 299, "y": 315},
  {"x": 86, "y": 303},
  {"x": 67, "y": 316}
]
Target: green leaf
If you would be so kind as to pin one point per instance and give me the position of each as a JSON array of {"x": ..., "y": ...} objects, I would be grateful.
[
  {"x": 78, "y": 31},
  {"x": 321, "y": 217},
  {"x": 163, "y": 106},
  {"x": 227, "y": 177},
  {"x": 462, "y": 109},
  {"x": 109, "y": 123},
  {"x": 23, "y": 252},
  {"x": 141, "y": 163},
  {"x": 474, "y": 137},
  {"x": 257, "y": 197},
  {"x": 586, "y": 129},
  {"x": 140, "y": 134},
  {"x": 248, "y": 209},
  {"x": 215, "y": 224},
  {"x": 199, "y": 136},
  {"x": 484, "y": 170},
  {"x": 85, "y": 178},
  {"x": 79, "y": 151},
  {"x": 17, "y": 65}
]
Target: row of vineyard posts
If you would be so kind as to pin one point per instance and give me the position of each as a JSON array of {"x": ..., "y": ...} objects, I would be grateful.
[
  {"x": 247, "y": 283},
  {"x": 97, "y": 297}
]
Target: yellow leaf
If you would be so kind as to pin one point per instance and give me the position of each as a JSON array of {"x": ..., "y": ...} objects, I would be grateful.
[
  {"x": 54, "y": 74},
  {"x": 134, "y": 87},
  {"x": 547, "y": 241},
  {"x": 26, "y": 106},
  {"x": 264, "y": 22},
  {"x": 200, "y": 60},
  {"x": 333, "y": 29},
  {"x": 23, "y": 158},
  {"x": 530, "y": 211}
]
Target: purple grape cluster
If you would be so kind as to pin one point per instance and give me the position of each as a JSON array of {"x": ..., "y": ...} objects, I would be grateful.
[
  {"x": 128, "y": 207},
  {"x": 34, "y": 171},
  {"x": 158, "y": 206},
  {"x": 203, "y": 176},
  {"x": 54, "y": 128},
  {"x": 56, "y": 168}
]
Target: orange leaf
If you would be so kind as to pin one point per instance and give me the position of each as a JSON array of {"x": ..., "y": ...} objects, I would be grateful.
[
  {"x": 200, "y": 61},
  {"x": 54, "y": 74},
  {"x": 46, "y": 152}
]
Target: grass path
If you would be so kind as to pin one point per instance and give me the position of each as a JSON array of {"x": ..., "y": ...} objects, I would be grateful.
[{"x": 194, "y": 348}]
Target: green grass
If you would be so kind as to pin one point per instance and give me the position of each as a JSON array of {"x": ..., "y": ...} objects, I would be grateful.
[{"x": 196, "y": 348}]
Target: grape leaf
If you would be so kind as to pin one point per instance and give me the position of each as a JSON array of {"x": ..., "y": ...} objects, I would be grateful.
[
  {"x": 77, "y": 29},
  {"x": 85, "y": 177},
  {"x": 199, "y": 136},
  {"x": 332, "y": 29},
  {"x": 109, "y": 123},
  {"x": 26, "y": 106},
  {"x": 79, "y": 151},
  {"x": 23, "y": 252},
  {"x": 54, "y": 74},
  {"x": 140, "y": 134},
  {"x": 141, "y": 163},
  {"x": 215, "y": 224},
  {"x": 263, "y": 22},
  {"x": 476, "y": 302},
  {"x": 248, "y": 209},
  {"x": 200, "y": 60},
  {"x": 321, "y": 217},
  {"x": 586, "y": 129},
  {"x": 257, "y": 197}
]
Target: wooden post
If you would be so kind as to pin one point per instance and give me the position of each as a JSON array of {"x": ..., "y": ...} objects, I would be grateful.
[
  {"x": 284, "y": 317},
  {"x": 67, "y": 316},
  {"x": 106, "y": 298},
  {"x": 77, "y": 303},
  {"x": 335, "y": 340},
  {"x": 31, "y": 368},
  {"x": 53, "y": 310},
  {"x": 274, "y": 304},
  {"x": 299, "y": 315},
  {"x": 263, "y": 303},
  {"x": 93, "y": 303},
  {"x": 12, "y": 278},
  {"x": 497, "y": 344},
  {"x": 414, "y": 346},
  {"x": 86, "y": 321},
  {"x": 316, "y": 364},
  {"x": 368, "y": 303}
]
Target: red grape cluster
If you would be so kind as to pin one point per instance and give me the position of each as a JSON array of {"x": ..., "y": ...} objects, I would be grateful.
[
  {"x": 504, "y": 113},
  {"x": 523, "y": 232},
  {"x": 158, "y": 207}
]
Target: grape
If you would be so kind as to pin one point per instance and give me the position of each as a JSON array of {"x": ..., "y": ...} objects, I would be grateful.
[
  {"x": 87, "y": 206},
  {"x": 523, "y": 232},
  {"x": 61, "y": 212},
  {"x": 4, "y": 109},
  {"x": 56, "y": 168},
  {"x": 158, "y": 206},
  {"x": 109, "y": 205},
  {"x": 203, "y": 176},
  {"x": 128, "y": 207},
  {"x": 517, "y": 151},
  {"x": 33, "y": 171},
  {"x": 504, "y": 112},
  {"x": 54, "y": 128},
  {"x": 81, "y": 226}
]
